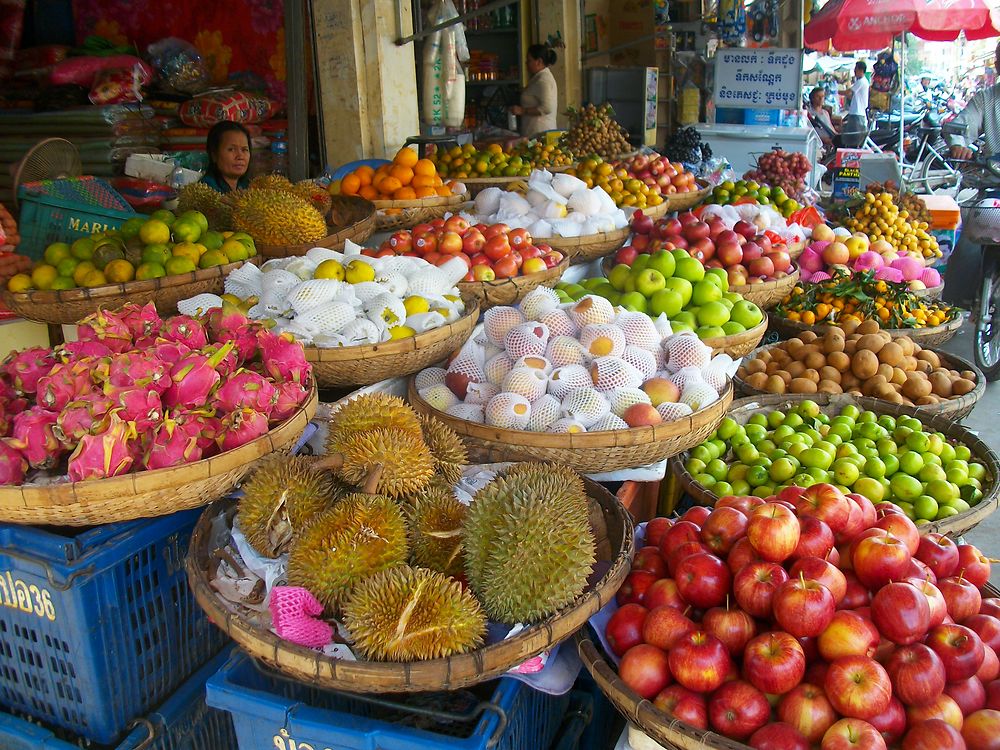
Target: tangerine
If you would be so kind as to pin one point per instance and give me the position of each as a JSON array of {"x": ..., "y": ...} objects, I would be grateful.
[
  {"x": 422, "y": 181},
  {"x": 389, "y": 185},
  {"x": 424, "y": 168},
  {"x": 404, "y": 194},
  {"x": 406, "y": 157},
  {"x": 403, "y": 174},
  {"x": 444, "y": 191},
  {"x": 350, "y": 184},
  {"x": 425, "y": 192},
  {"x": 368, "y": 192},
  {"x": 365, "y": 173}
]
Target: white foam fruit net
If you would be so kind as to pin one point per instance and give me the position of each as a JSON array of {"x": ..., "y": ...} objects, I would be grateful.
[
  {"x": 611, "y": 373},
  {"x": 527, "y": 339},
  {"x": 623, "y": 398},
  {"x": 360, "y": 332},
  {"x": 566, "y": 424},
  {"x": 538, "y": 302},
  {"x": 428, "y": 377},
  {"x": 639, "y": 330},
  {"x": 525, "y": 381},
  {"x": 686, "y": 350},
  {"x": 481, "y": 393},
  {"x": 641, "y": 359},
  {"x": 609, "y": 422},
  {"x": 563, "y": 380},
  {"x": 592, "y": 309},
  {"x": 470, "y": 412},
  {"x": 698, "y": 394},
  {"x": 327, "y": 318},
  {"x": 301, "y": 267},
  {"x": 498, "y": 367},
  {"x": 497, "y": 321},
  {"x": 544, "y": 411},
  {"x": 559, "y": 323},
  {"x": 670, "y": 412},
  {"x": 439, "y": 396},
  {"x": 319, "y": 254},
  {"x": 313, "y": 293},
  {"x": 245, "y": 281},
  {"x": 603, "y": 340},
  {"x": 199, "y": 304},
  {"x": 585, "y": 405},
  {"x": 538, "y": 363},
  {"x": 508, "y": 411}
]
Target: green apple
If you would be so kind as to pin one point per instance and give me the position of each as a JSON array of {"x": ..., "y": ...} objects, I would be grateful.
[
  {"x": 679, "y": 253},
  {"x": 683, "y": 287},
  {"x": 575, "y": 291},
  {"x": 663, "y": 262},
  {"x": 679, "y": 327},
  {"x": 747, "y": 314},
  {"x": 732, "y": 328},
  {"x": 594, "y": 282},
  {"x": 666, "y": 302},
  {"x": 648, "y": 282},
  {"x": 713, "y": 314},
  {"x": 686, "y": 317},
  {"x": 710, "y": 332},
  {"x": 641, "y": 263},
  {"x": 690, "y": 268},
  {"x": 619, "y": 275},
  {"x": 733, "y": 297},
  {"x": 633, "y": 301},
  {"x": 905, "y": 487},
  {"x": 706, "y": 291},
  {"x": 719, "y": 276},
  {"x": 727, "y": 303}
]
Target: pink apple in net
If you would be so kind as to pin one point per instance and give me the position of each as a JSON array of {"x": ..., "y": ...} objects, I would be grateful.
[
  {"x": 910, "y": 267},
  {"x": 819, "y": 276},
  {"x": 931, "y": 278},
  {"x": 868, "y": 261},
  {"x": 661, "y": 391},
  {"x": 811, "y": 259},
  {"x": 888, "y": 273}
]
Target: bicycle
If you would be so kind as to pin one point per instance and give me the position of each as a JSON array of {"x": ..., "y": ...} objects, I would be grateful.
[{"x": 932, "y": 161}]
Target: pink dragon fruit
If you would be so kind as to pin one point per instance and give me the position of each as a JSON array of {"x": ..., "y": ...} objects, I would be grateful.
[
  {"x": 194, "y": 378},
  {"x": 173, "y": 444},
  {"x": 228, "y": 365},
  {"x": 106, "y": 454},
  {"x": 27, "y": 367},
  {"x": 84, "y": 416},
  {"x": 34, "y": 436},
  {"x": 289, "y": 397},
  {"x": 77, "y": 350},
  {"x": 141, "y": 321},
  {"x": 108, "y": 328},
  {"x": 184, "y": 330},
  {"x": 245, "y": 388},
  {"x": 170, "y": 352},
  {"x": 10, "y": 408},
  {"x": 240, "y": 427},
  {"x": 137, "y": 405},
  {"x": 208, "y": 428},
  {"x": 13, "y": 465},
  {"x": 284, "y": 358},
  {"x": 64, "y": 383},
  {"x": 139, "y": 369},
  {"x": 7, "y": 392}
]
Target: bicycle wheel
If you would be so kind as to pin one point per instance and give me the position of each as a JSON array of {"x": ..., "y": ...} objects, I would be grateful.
[
  {"x": 937, "y": 176},
  {"x": 987, "y": 319}
]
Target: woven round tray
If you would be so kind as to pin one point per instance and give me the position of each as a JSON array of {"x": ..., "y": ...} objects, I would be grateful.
[
  {"x": 589, "y": 247},
  {"x": 744, "y": 408},
  {"x": 364, "y": 365},
  {"x": 690, "y": 199},
  {"x": 586, "y": 452},
  {"x": 146, "y": 494},
  {"x": 614, "y": 534},
  {"x": 768, "y": 293},
  {"x": 67, "y": 306},
  {"x": 931, "y": 336},
  {"x": 393, "y": 215},
  {"x": 739, "y": 344},
  {"x": 954, "y": 408},
  {"x": 351, "y": 217},
  {"x": 933, "y": 292},
  {"x": 656, "y": 212},
  {"x": 511, "y": 291}
]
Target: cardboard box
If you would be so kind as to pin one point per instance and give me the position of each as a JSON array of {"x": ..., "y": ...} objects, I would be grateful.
[
  {"x": 849, "y": 157},
  {"x": 157, "y": 168}
]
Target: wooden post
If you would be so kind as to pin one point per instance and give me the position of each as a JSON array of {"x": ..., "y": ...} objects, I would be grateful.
[{"x": 564, "y": 16}]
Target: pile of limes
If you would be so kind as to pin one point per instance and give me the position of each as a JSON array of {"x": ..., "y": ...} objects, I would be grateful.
[
  {"x": 144, "y": 247},
  {"x": 749, "y": 191},
  {"x": 463, "y": 162}
]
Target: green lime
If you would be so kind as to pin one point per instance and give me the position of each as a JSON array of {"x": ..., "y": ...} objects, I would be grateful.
[
  {"x": 722, "y": 489},
  {"x": 977, "y": 471},
  {"x": 874, "y": 468},
  {"x": 706, "y": 480},
  {"x": 845, "y": 472},
  {"x": 947, "y": 452},
  {"x": 782, "y": 433},
  {"x": 738, "y": 471},
  {"x": 962, "y": 452},
  {"x": 886, "y": 446},
  {"x": 765, "y": 490},
  {"x": 702, "y": 453},
  {"x": 911, "y": 463},
  {"x": 945, "y": 511},
  {"x": 56, "y": 253},
  {"x": 694, "y": 466},
  {"x": 819, "y": 475},
  {"x": 925, "y": 507},
  {"x": 63, "y": 282},
  {"x": 759, "y": 418},
  {"x": 906, "y": 507},
  {"x": 930, "y": 472},
  {"x": 936, "y": 443},
  {"x": 905, "y": 487},
  {"x": 792, "y": 419},
  {"x": 727, "y": 428},
  {"x": 870, "y": 488},
  {"x": 887, "y": 422},
  {"x": 891, "y": 464},
  {"x": 942, "y": 490},
  {"x": 717, "y": 468},
  {"x": 782, "y": 470},
  {"x": 757, "y": 475},
  {"x": 816, "y": 458},
  {"x": 740, "y": 487}
]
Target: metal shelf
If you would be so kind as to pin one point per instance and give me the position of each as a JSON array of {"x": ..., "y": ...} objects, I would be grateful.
[{"x": 501, "y": 82}]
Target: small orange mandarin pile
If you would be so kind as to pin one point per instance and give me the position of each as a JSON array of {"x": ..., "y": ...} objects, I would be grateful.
[{"x": 407, "y": 177}]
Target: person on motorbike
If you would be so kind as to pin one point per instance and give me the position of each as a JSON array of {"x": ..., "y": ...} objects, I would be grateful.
[
  {"x": 855, "y": 127},
  {"x": 980, "y": 118},
  {"x": 820, "y": 115}
]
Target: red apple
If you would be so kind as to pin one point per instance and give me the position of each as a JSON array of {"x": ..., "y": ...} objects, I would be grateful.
[
  {"x": 986, "y": 627},
  {"x": 807, "y": 708},
  {"x": 821, "y": 571},
  {"x": 933, "y": 734},
  {"x": 663, "y": 627},
  {"x": 739, "y": 502},
  {"x": 943, "y": 707},
  {"x": 745, "y": 228},
  {"x": 773, "y": 531},
  {"x": 852, "y": 734},
  {"x": 729, "y": 252},
  {"x": 960, "y": 649},
  {"x": 732, "y": 626},
  {"x": 737, "y": 276},
  {"x": 633, "y": 590},
  {"x": 755, "y": 585},
  {"x": 505, "y": 267},
  {"x": 425, "y": 243},
  {"x": 648, "y": 558},
  {"x": 722, "y": 528},
  {"x": 497, "y": 247},
  {"x": 891, "y": 723},
  {"x": 970, "y": 695},
  {"x": 973, "y": 565},
  {"x": 703, "y": 580},
  {"x": 740, "y": 555},
  {"x": 803, "y": 607},
  {"x": 533, "y": 265},
  {"x": 702, "y": 249},
  {"x": 990, "y": 606},
  {"x": 656, "y": 528},
  {"x": 624, "y": 628},
  {"x": 990, "y": 668},
  {"x": 856, "y": 595},
  {"x": 917, "y": 674},
  {"x": 685, "y": 705},
  {"x": 901, "y": 613},
  {"x": 483, "y": 272},
  {"x": 761, "y": 267},
  {"x": 663, "y": 593},
  {"x": 401, "y": 242},
  {"x": 495, "y": 230},
  {"x": 815, "y": 539},
  {"x": 676, "y": 535},
  {"x": 868, "y": 510},
  {"x": 993, "y": 695},
  {"x": 781, "y": 260},
  {"x": 935, "y": 601},
  {"x": 774, "y": 662},
  {"x": 627, "y": 255},
  {"x": 939, "y": 553},
  {"x": 961, "y": 596},
  {"x": 825, "y": 502},
  {"x": 902, "y": 528},
  {"x": 553, "y": 258},
  {"x": 457, "y": 223},
  {"x": 699, "y": 661},
  {"x": 848, "y": 634},
  {"x": 778, "y": 736},
  {"x": 696, "y": 230},
  {"x": 519, "y": 238},
  {"x": 981, "y": 730},
  {"x": 858, "y": 687},
  {"x": 696, "y": 514},
  {"x": 879, "y": 559},
  {"x": 751, "y": 252},
  {"x": 644, "y": 669},
  {"x": 738, "y": 709},
  {"x": 450, "y": 243},
  {"x": 687, "y": 549}
]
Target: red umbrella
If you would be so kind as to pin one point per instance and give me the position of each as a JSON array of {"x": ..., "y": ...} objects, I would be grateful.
[
  {"x": 971, "y": 16},
  {"x": 860, "y": 24}
]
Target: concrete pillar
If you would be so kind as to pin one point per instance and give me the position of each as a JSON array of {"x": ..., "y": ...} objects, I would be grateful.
[
  {"x": 564, "y": 16},
  {"x": 367, "y": 85}
]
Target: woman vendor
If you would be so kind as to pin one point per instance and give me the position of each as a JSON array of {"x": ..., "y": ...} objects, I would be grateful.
[{"x": 228, "y": 148}]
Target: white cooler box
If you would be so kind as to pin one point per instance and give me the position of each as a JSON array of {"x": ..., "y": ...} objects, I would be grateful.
[{"x": 741, "y": 144}]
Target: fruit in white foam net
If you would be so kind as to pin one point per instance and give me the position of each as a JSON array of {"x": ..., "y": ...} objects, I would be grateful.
[
  {"x": 497, "y": 321},
  {"x": 525, "y": 381},
  {"x": 586, "y": 406},
  {"x": 602, "y": 340},
  {"x": 508, "y": 411},
  {"x": 592, "y": 310},
  {"x": 563, "y": 380},
  {"x": 544, "y": 411},
  {"x": 527, "y": 339}
]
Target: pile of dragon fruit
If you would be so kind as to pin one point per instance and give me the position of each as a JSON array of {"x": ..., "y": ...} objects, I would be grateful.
[{"x": 137, "y": 392}]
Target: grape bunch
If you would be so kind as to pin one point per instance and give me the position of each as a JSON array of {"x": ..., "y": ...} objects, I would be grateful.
[
  {"x": 782, "y": 169},
  {"x": 686, "y": 146}
]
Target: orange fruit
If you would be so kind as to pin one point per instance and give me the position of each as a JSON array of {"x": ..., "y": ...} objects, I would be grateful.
[
  {"x": 367, "y": 191},
  {"x": 438, "y": 182},
  {"x": 365, "y": 174},
  {"x": 403, "y": 174},
  {"x": 350, "y": 184},
  {"x": 389, "y": 185},
  {"x": 406, "y": 157},
  {"x": 404, "y": 194},
  {"x": 424, "y": 167},
  {"x": 425, "y": 192},
  {"x": 444, "y": 191},
  {"x": 422, "y": 181}
]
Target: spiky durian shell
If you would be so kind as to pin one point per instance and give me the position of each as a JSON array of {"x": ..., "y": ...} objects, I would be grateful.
[
  {"x": 198, "y": 196},
  {"x": 272, "y": 181},
  {"x": 279, "y": 499},
  {"x": 371, "y": 411},
  {"x": 447, "y": 448},
  {"x": 407, "y": 463},
  {"x": 359, "y": 536},
  {"x": 435, "y": 519},
  {"x": 277, "y": 217},
  {"x": 529, "y": 547},
  {"x": 306, "y": 189},
  {"x": 411, "y": 614}
]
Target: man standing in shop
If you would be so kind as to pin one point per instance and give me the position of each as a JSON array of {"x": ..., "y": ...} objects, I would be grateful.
[{"x": 855, "y": 126}]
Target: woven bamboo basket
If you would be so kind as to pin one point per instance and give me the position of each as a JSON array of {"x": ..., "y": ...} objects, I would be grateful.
[
  {"x": 513, "y": 290},
  {"x": 744, "y": 408},
  {"x": 351, "y": 218},
  {"x": 739, "y": 344},
  {"x": 144, "y": 494},
  {"x": 933, "y": 292},
  {"x": 589, "y": 247},
  {"x": 364, "y": 365},
  {"x": 690, "y": 199},
  {"x": 954, "y": 408},
  {"x": 931, "y": 336},
  {"x": 768, "y": 293},
  {"x": 393, "y": 215},
  {"x": 614, "y": 534},
  {"x": 67, "y": 306},
  {"x": 656, "y": 212},
  {"x": 586, "y": 452}
]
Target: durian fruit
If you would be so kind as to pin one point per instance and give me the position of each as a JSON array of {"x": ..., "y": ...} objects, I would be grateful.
[
  {"x": 277, "y": 217},
  {"x": 529, "y": 547},
  {"x": 370, "y": 411},
  {"x": 410, "y": 614},
  {"x": 435, "y": 519},
  {"x": 197, "y": 196},
  {"x": 387, "y": 461},
  {"x": 447, "y": 449},
  {"x": 280, "y": 498},
  {"x": 359, "y": 536},
  {"x": 272, "y": 181}
]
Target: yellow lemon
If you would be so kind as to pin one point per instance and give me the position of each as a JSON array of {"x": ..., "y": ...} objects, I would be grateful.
[
  {"x": 43, "y": 275},
  {"x": 94, "y": 278},
  {"x": 67, "y": 265},
  {"x": 358, "y": 272},
  {"x": 330, "y": 269},
  {"x": 19, "y": 282},
  {"x": 83, "y": 248},
  {"x": 415, "y": 305},
  {"x": 150, "y": 271},
  {"x": 155, "y": 232},
  {"x": 212, "y": 258},
  {"x": 235, "y": 250},
  {"x": 63, "y": 282},
  {"x": 179, "y": 264},
  {"x": 119, "y": 271},
  {"x": 56, "y": 252},
  {"x": 187, "y": 250},
  {"x": 401, "y": 332},
  {"x": 81, "y": 271}
]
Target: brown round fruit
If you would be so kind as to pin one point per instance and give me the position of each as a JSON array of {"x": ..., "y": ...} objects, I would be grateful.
[{"x": 864, "y": 364}]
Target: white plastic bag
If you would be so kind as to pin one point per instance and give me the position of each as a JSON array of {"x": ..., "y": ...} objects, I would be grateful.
[{"x": 444, "y": 78}]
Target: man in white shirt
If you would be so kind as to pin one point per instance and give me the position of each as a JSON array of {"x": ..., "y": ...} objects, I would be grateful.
[
  {"x": 981, "y": 117},
  {"x": 855, "y": 127}
]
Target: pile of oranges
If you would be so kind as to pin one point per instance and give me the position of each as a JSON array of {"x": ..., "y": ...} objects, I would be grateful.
[{"x": 407, "y": 177}]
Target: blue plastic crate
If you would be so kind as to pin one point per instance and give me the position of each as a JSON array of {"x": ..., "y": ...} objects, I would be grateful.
[
  {"x": 183, "y": 722},
  {"x": 577, "y": 723},
  {"x": 272, "y": 712},
  {"x": 606, "y": 722},
  {"x": 97, "y": 626}
]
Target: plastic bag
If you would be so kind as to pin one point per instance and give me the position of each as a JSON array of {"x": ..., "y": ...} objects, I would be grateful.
[
  {"x": 179, "y": 64},
  {"x": 444, "y": 78},
  {"x": 83, "y": 71},
  {"x": 142, "y": 193},
  {"x": 117, "y": 85}
]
